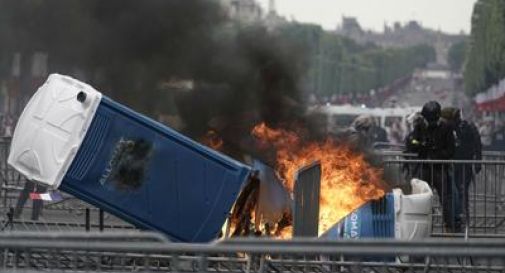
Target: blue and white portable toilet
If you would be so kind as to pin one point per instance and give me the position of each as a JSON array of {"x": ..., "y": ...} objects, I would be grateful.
[
  {"x": 396, "y": 215},
  {"x": 72, "y": 138}
]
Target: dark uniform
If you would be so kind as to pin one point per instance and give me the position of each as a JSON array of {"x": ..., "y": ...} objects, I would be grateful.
[
  {"x": 23, "y": 197},
  {"x": 413, "y": 144},
  {"x": 379, "y": 134},
  {"x": 435, "y": 141},
  {"x": 468, "y": 147}
]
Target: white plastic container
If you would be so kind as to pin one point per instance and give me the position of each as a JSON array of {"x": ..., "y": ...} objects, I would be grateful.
[
  {"x": 51, "y": 129},
  {"x": 413, "y": 212}
]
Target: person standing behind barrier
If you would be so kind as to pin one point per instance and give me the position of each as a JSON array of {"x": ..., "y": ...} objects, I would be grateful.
[
  {"x": 360, "y": 132},
  {"x": 397, "y": 134},
  {"x": 486, "y": 133},
  {"x": 30, "y": 187},
  {"x": 468, "y": 147},
  {"x": 8, "y": 126},
  {"x": 413, "y": 142},
  {"x": 437, "y": 143},
  {"x": 379, "y": 134},
  {"x": 498, "y": 142}
]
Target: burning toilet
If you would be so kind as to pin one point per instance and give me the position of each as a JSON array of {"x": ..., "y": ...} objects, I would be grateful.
[{"x": 395, "y": 215}]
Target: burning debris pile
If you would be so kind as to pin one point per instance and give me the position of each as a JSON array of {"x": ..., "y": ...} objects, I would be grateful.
[
  {"x": 254, "y": 214},
  {"x": 348, "y": 180}
]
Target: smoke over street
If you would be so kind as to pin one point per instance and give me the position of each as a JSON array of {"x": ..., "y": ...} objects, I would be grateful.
[{"x": 129, "y": 48}]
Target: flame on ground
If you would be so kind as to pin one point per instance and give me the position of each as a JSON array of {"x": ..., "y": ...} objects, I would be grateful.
[
  {"x": 347, "y": 180},
  {"x": 212, "y": 140}
]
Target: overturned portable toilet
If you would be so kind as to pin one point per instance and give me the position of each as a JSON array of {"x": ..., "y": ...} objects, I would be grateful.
[
  {"x": 394, "y": 216},
  {"x": 71, "y": 137}
]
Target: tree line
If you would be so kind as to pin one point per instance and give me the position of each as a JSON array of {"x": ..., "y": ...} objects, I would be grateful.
[
  {"x": 338, "y": 65},
  {"x": 485, "y": 60}
]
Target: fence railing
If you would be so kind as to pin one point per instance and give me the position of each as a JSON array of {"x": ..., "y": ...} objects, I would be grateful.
[
  {"x": 397, "y": 152},
  {"x": 470, "y": 193},
  {"x": 493, "y": 155},
  {"x": 70, "y": 214},
  {"x": 69, "y": 253},
  {"x": 482, "y": 210}
]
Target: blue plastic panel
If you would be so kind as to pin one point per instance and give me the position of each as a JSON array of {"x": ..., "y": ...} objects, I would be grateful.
[
  {"x": 154, "y": 177},
  {"x": 375, "y": 219}
]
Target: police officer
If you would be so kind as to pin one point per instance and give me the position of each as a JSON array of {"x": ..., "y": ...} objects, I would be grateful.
[
  {"x": 468, "y": 147},
  {"x": 379, "y": 134},
  {"x": 360, "y": 134},
  {"x": 414, "y": 138},
  {"x": 413, "y": 143},
  {"x": 38, "y": 204},
  {"x": 436, "y": 142},
  {"x": 498, "y": 141}
]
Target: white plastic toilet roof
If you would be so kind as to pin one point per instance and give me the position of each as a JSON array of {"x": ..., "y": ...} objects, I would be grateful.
[{"x": 51, "y": 129}]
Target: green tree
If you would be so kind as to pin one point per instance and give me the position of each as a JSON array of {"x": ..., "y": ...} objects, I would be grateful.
[
  {"x": 485, "y": 61},
  {"x": 457, "y": 54}
]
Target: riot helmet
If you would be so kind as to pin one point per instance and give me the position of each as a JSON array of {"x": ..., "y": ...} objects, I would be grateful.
[{"x": 431, "y": 112}]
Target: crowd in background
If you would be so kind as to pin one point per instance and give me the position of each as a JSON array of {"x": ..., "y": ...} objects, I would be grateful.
[
  {"x": 394, "y": 132},
  {"x": 492, "y": 131}
]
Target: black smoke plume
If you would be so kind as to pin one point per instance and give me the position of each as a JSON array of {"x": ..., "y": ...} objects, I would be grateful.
[
  {"x": 259, "y": 74},
  {"x": 128, "y": 48}
]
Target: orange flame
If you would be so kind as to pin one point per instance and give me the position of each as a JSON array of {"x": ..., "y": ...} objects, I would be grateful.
[
  {"x": 212, "y": 140},
  {"x": 347, "y": 180}
]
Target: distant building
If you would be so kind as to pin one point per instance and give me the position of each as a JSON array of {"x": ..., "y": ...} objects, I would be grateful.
[
  {"x": 243, "y": 11},
  {"x": 351, "y": 27},
  {"x": 251, "y": 12},
  {"x": 273, "y": 20},
  {"x": 410, "y": 34}
]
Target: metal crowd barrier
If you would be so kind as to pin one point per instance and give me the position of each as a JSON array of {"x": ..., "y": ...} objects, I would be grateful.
[
  {"x": 493, "y": 155},
  {"x": 480, "y": 211},
  {"x": 486, "y": 189},
  {"x": 69, "y": 254},
  {"x": 11, "y": 181},
  {"x": 397, "y": 152},
  {"x": 485, "y": 216},
  {"x": 388, "y": 146},
  {"x": 69, "y": 214}
]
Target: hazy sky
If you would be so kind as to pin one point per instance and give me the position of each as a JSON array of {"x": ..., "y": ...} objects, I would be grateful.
[{"x": 447, "y": 15}]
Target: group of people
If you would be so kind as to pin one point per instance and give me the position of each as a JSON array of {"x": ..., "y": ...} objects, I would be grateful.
[
  {"x": 438, "y": 134},
  {"x": 442, "y": 134}
]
